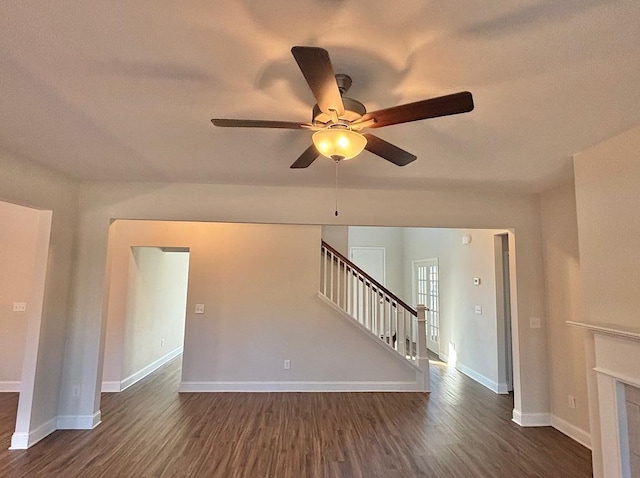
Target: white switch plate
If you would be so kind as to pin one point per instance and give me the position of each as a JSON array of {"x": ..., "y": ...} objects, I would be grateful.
[
  {"x": 19, "y": 306},
  {"x": 572, "y": 402},
  {"x": 287, "y": 364},
  {"x": 476, "y": 281},
  {"x": 478, "y": 309},
  {"x": 534, "y": 322},
  {"x": 199, "y": 308}
]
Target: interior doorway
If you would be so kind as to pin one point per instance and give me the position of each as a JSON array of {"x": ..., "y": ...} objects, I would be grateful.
[{"x": 148, "y": 314}]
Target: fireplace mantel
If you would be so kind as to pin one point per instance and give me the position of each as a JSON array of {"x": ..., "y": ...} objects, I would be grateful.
[
  {"x": 615, "y": 358},
  {"x": 609, "y": 329}
]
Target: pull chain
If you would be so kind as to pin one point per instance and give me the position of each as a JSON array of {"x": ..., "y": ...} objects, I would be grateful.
[{"x": 337, "y": 187}]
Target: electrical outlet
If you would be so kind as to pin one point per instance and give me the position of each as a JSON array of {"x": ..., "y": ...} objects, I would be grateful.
[
  {"x": 572, "y": 401},
  {"x": 76, "y": 391},
  {"x": 19, "y": 306},
  {"x": 287, "y": 364},
  {"x": 199, "y": 309},
  {"x": 534, "y": 322},
  {"x": 161, "y": 342}
]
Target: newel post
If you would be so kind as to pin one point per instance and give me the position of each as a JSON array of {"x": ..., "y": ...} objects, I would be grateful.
[{"x": 423, "y": 359}]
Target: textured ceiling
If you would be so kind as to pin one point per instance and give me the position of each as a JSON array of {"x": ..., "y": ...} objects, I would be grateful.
[{"x": 124, "y": 90}]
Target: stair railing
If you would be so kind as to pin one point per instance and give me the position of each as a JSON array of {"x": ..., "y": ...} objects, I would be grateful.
[{"x": 373, "y": 305}]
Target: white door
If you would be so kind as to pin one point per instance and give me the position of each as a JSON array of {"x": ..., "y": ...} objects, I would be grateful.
[
  {"x": 426, "y": 290},
  {"x": 371, "y": 260}
]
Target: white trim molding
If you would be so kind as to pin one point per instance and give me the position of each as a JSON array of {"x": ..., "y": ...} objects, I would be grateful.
[
  {"x": 22, "y": 441},
  {"x": 531, "y": 419},
  {"x": 111, "y": 387},
  {"x": 572, "y": 431},
  {"x": 496, "y": 387},
  {"x": 79, "y": 422},
  {"x": 9, "y": 386},
  {"x": 116, "y": 386},
  {"x": 290, "y": 386}
]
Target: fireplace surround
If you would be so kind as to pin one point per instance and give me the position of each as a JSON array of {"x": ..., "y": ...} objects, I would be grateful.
[{"x": 613, "y": 356}]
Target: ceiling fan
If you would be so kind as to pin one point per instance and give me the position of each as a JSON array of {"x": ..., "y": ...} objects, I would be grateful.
[{"x": 338, "y": 120}]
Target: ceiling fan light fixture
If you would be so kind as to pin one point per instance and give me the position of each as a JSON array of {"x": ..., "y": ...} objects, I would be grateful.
[{"x": 339, "y": 142}]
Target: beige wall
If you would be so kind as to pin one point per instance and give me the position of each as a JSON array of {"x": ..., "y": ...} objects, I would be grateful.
[
  {"x": 206, "y": 202},
  {"x": 607, "y": 180},
  {"x": 259, "y": 284},
  {"x": 18, "y": 241},
  {"x": 29, "y": 185},
  {"x": 337, "y": 237},
  {"x": 607, "y": 201},
  {"x": 562, "y": 279}
]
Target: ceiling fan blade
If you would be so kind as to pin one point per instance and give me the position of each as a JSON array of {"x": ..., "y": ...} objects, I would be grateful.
[
  {"x": 309, "y": 156},
  {"x": 431, "y": 108},
  {"x": 317, "y": 70},
  {"x": 244, "y": 123},
  {"x": 388, "y": 151}
]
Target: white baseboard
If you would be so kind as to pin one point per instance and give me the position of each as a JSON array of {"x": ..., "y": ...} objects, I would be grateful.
[
  {"x": 22, "y": 441},
  {"x": 503, "y": 388},
  {"x": 79, "y": 422},
  {"x": 9, "y": 386},
  {"x": 531, "y": 419},
  {"x": 572, "y": 431},
  {"x": 140, "y": 374},
  {"x": 111, "y": 387},
  {"x": 481, "y": 379},
  {"x": 301, "y": 387}
]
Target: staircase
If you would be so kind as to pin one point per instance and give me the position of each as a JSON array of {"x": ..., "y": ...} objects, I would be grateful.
[{"x": 383, "y": 314}]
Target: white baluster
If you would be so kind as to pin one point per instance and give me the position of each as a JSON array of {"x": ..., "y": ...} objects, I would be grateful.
[
  {"x": 400, "y": 334},
  {"x": 331, "y": 256},
  {"x": 324, "y": 273},
  {"x": 387, "y": 320},
  {"x": 338, "y": 276},
  {"x": 345, "y": 279}
]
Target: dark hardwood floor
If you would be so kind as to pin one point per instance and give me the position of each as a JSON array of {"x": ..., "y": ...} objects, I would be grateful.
[{"x": 460, "y": 430}]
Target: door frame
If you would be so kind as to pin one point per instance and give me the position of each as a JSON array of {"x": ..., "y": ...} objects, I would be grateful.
[{"x": 503, "y": 313}]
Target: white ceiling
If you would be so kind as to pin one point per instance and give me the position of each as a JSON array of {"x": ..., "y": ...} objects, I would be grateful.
[{"x": 124, "y": 90}]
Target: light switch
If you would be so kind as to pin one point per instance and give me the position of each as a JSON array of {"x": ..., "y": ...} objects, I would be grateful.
[
  {"x": 478, "y": 309},
  {"x": 19, "y": 306},
  {"x": 476, "y": 281},
  {"x": 199, "y": 308}
]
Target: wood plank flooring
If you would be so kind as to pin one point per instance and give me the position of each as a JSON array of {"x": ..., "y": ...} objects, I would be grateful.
[{"x": 459, "y": 430}]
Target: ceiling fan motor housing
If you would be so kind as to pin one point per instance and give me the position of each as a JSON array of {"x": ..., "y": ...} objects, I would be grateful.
[{"x": 353, "y": 111}]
